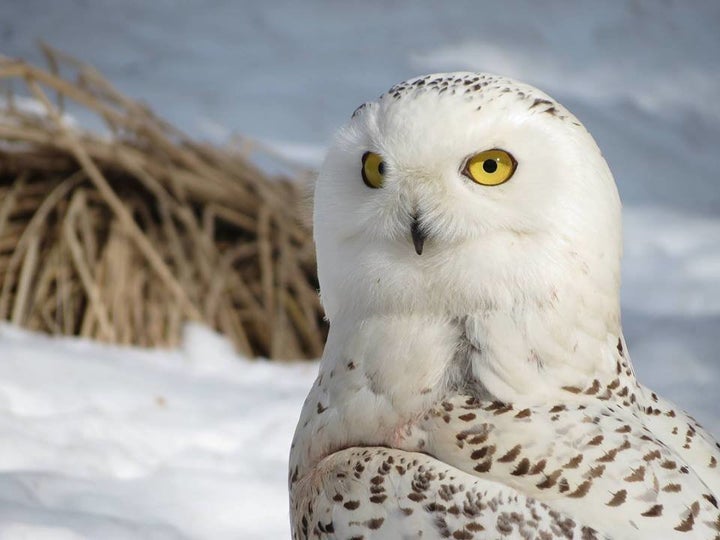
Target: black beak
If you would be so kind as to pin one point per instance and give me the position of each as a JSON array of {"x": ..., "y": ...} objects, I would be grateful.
[{"x": 418, "y": 236}]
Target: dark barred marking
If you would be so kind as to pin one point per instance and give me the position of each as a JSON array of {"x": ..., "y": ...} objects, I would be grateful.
[
  {"x": 653, "y": 511},
  {"x": 618, "y": 498}
]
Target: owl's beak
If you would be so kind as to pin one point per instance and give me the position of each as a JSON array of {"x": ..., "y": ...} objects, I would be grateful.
[{"x": 418, "y": 236}]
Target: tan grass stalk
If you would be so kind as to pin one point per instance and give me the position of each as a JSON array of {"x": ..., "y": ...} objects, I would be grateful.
[{"x": 124, "y": 236}]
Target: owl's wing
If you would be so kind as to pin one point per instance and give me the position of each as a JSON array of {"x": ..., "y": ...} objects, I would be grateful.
[
  {"x": 383, "y": 493},
  {"x": 688, "y": 439},
  {"x": 594, "y": 461}
]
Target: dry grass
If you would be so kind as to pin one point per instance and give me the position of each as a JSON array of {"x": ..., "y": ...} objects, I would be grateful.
[{"x": 123, "y": 238}]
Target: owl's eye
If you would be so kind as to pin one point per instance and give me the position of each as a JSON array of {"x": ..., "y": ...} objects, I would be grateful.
[
  {"x": 490, "y": 168},
  {"x": 373, "y": 170}
]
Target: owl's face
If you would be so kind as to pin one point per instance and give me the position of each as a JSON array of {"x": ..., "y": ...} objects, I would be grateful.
[{"x": 457, "y": 191}]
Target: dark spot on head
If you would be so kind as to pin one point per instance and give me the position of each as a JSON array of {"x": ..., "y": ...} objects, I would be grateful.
[
  {"x": 540, "y": 101},
  {"x": 357, "y": 111}
]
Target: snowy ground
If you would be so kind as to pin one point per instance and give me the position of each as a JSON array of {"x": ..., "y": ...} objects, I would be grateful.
[{"x": 110, "y": 443}]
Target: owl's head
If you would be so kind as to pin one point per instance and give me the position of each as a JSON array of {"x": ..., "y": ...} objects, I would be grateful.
[{"x": 457, "y": 192}]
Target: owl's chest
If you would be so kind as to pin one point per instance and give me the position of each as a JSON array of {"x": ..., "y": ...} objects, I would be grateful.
[{"x": 401, "y": 365}]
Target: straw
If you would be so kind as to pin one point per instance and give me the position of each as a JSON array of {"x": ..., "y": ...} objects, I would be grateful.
[{"x": 124, "y": 236}]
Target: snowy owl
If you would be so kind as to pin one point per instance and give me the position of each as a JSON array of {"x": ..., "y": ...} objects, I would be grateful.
[{"x": 476, "y": 382}]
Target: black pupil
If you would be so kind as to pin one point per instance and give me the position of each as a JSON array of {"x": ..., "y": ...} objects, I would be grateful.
[
  {"x": 381, "y": 168},
  {"x": 489, "y": 165}
]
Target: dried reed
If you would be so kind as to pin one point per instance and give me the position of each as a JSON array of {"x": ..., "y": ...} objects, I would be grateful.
[{"x": 125, "y": 237}]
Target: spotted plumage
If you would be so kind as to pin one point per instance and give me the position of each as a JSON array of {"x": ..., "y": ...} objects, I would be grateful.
[
  {"x": 379, "y": 492},
  {"x": 476, "y": 383}
]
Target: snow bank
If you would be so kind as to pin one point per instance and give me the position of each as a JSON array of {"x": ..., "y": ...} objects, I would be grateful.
[{"x": 108, "y": 442}]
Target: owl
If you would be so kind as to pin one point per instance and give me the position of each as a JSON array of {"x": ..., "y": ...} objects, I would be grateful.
[{"x": 476, "y": 382}]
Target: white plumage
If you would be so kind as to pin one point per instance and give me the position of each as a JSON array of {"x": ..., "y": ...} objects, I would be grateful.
[{"x": 482, "y": 389}]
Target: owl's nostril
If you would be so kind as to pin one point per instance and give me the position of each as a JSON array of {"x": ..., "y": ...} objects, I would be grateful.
[{"x": 418, "y": 235}]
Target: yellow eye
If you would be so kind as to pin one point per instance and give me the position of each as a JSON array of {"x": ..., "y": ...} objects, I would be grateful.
[
  {"x": 373, "y": 170},
  {"x": 490, "y": 168}
]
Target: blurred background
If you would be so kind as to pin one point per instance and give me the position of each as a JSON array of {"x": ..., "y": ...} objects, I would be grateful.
[{"x": 643, "y": 76}]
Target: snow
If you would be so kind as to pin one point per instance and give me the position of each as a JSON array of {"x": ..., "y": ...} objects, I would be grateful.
[
  {"x": 110, "y": 442},
  {"x": 103, "y": 442}
]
